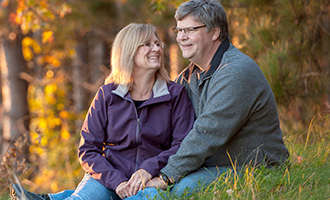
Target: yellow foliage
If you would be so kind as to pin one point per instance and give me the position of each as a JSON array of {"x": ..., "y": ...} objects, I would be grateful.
[
  {"x": 65, "y": 135},
  {"x": 18, "y": 20},
  {"x": 49, "y": 59},
  {"x": 50, "y": 74},
  {"x": 47, "y": 36},
  {"x": 27, "y": 53},
  {"x": 43, "y": 142},
  {"x": 44, "y": 177},
  {"x": 31, "y": 89},
  {"x": 50, "y": 89},
  {"x": 20, "y": 8},
  {"x": 43, "y": 4},
  {"x": 51, "y": 100},
  {"x": 34, "y": 136},
  {"x": 52, "y": 60},
  {"x": 64, "y": 114},
  {"x": 56, "y": 63},
  {"x": 72, "y": 52},
  {"x": 27, "y": 44},
  {"x": 53, "y": 122},
  {"x": 43, "y": 123},
  {"x": 60, "y": 106},
  {"x": 54, "y": 186},
  {"x": 38, "y": 150}
]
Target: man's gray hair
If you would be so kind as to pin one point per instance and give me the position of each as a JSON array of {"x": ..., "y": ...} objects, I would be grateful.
[{"x": 209, "y": 12}]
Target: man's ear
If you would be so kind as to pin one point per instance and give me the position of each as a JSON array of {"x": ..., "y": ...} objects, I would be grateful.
[{"x": 215, "y": 33}]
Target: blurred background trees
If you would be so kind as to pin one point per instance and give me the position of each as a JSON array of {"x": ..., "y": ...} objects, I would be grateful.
[{"x": 54, "y": 54}]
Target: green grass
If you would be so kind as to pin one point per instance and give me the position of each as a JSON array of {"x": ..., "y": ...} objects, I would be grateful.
[{"x": 4, "y": 197}]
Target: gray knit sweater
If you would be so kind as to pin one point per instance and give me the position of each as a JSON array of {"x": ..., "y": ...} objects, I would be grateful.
[{"x": 236, "y": 117}]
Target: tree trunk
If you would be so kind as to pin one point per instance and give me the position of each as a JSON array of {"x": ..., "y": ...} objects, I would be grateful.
[
  {"x": 2, "y": 59},
  {"x": 99, "y": 64},
  {"x": 325, "y": 26},
  {"x": 15, "y": 120},
  {"x": 80, "y": 76},
  {"x": 88, "y": 72}
]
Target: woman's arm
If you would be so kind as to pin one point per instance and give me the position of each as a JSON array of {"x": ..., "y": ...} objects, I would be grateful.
[{"x": 93, "y": 136}]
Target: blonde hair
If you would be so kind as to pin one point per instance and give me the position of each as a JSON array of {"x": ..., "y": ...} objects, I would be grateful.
[{"x": 124, "y": 49}]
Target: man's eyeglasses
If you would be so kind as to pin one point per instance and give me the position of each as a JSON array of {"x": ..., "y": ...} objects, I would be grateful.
[
  {"x": 151, "y": 45},
  {"x": 187, "y": 30}
]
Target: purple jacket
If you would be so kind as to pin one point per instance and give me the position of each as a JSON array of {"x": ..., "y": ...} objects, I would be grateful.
[{"x": 117, "y": 139}]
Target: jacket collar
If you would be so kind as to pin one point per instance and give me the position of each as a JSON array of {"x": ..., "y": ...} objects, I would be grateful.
[
  {"x": 159, "y": 89},
  {"x": 215, "y": 62}
]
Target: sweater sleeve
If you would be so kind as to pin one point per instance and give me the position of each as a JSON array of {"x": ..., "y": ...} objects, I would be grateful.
[
  {"x": 182, "y": 120},
  {"x": 90, "y": 148},
  {"x": 230, "y": 96}
]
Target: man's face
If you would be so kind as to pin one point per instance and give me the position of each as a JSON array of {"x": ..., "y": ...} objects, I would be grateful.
[{"x": 195, "y": 45}]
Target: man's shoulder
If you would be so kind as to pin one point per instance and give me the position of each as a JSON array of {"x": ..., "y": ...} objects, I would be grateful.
[
  {"x": 234, "y": 56},
  {"x": 235, "y": 62}
]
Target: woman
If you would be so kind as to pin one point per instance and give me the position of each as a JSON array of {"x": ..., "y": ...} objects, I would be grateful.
[{"x": 135, "y": 122}]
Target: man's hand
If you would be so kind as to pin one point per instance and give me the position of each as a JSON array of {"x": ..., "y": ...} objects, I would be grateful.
[
  {"x": 122, "y": 190},
  {"x": 157, "y": 183},
  {"x": 138, "y": 181}
]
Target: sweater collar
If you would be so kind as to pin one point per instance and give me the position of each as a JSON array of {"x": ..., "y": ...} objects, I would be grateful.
[{"x": 215, "y": 62}]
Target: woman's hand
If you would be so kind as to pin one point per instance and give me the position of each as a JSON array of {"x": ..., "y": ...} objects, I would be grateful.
[
  {"x": 157, "y": 183},
  {"x": 138, "y": 181},
  {"x": 122, "y": 190}
]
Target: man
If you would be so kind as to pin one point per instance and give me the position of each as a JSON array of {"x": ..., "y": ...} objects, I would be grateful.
[{"x": 237, "y": 122}]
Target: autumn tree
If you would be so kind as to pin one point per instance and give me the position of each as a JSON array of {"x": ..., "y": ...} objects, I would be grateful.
[
  {"x": 18, "y": 52},
  {"x": 15, "y": 119}
]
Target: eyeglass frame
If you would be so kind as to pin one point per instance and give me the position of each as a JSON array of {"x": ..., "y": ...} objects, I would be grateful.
[
  {"x": 186, "y": 30},
  {"x": 160, "y": 45}
]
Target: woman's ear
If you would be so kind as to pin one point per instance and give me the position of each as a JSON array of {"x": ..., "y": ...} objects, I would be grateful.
[{"x": 215, "y": 33}]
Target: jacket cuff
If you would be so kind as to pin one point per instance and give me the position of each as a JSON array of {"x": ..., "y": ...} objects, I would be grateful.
[
  {"x": 173, "y": 174},
  {"x": 114, "y": 184}
]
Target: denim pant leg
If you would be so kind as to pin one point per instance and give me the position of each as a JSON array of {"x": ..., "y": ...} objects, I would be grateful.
[
  {"x": 149, "y": 193},
  {"x": 88, "y": 189},
  {"x": 197, "y": 180}
]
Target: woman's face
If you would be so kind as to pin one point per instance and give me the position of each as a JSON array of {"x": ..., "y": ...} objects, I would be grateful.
[{"x": 149, "y": 55}]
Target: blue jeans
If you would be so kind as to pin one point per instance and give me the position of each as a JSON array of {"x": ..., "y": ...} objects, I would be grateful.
[
  {"x": 191, "y": 183},
  {"x": 90, "y": 188},
  {"x": 87, "y": 189}
]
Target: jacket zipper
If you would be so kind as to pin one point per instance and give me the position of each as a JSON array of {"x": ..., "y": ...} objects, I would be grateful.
[
  {"x": 138, "y": 130},
  {"x": 137, "y": 143}
]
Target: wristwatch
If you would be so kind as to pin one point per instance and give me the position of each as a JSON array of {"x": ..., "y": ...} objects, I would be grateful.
[{"x": 165, "y": 178}]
